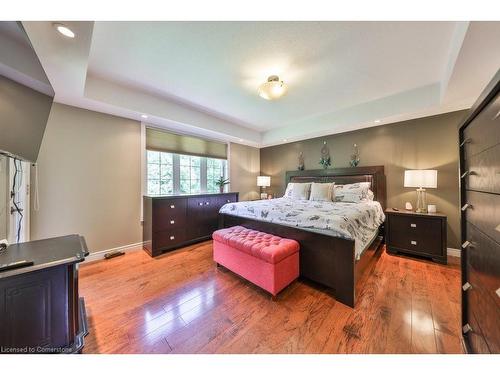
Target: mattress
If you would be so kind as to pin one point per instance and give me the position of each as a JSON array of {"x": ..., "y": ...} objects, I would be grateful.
[{"x": 353, "y": 221}]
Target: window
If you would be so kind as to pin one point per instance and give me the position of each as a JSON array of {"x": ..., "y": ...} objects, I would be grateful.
[
  {"x": 160, "y": 173},
  {"x": 169, "y": 173},
  {"x": 216, "y": 168},
  {"x": 190, "y": 177}
]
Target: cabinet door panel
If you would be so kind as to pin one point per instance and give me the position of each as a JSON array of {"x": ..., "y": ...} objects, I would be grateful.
[
  {"x": 34, "y": 309},
  {"x": 484, "y": 171},
  {"x": 486, "y": 311},
  {"x": 197, "y": 218},
  {"x": 484, "y": 213},
  {"x": 482, "y": 259},
  {"x": 484, "y": 131}
]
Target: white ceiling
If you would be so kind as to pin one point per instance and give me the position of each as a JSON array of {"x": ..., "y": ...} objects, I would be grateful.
[{"x": 202, "y": 77}]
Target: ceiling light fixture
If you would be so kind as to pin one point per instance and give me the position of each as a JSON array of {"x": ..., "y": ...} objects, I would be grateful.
[
  {"x": 272, "y": 89},
  {"x": 64, "y": 30},
  {"x": 377, "y": 121},
  {"x": 144, "y": 116}
]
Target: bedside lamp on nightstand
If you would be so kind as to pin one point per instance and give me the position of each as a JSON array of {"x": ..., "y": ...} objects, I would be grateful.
[
  {"x": 421, "y": 178},
  {"x": 263, "y": 182}
]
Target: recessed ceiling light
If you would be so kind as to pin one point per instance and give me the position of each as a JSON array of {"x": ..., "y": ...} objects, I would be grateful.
[
  {"x": 144, "y": 116},
  {"x": 285, "y": 140},
  {"x": 377, "y": 121},
  {"x": 272, "y": 89},
  {"x": 241, "y": 140},
  {"x": 64, "y": 30}
]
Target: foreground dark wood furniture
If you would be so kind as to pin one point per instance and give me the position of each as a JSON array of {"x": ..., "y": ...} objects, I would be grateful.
[
  {"x": 325, "y": 259},
  {"x": 40, "y": 307},
  {"x": 479, "y": 140},
  {"x": 171, "y": 222},
  {"x": 415, "y": 233}
]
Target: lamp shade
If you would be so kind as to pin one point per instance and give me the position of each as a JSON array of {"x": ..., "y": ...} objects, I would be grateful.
[
  {"x": 263, "y": 181},
  {"x": 421, "y": 178}
]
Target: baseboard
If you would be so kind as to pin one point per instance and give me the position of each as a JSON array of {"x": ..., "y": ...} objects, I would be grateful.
[
  {"x": 453, "y": 252},
  {"x": 98, "y": 255}
]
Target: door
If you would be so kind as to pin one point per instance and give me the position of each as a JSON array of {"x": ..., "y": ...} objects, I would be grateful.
[{"x": 18, "y": 208}]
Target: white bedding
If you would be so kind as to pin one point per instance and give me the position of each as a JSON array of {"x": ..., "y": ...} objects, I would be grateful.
[{"x": 353, "y": 221}]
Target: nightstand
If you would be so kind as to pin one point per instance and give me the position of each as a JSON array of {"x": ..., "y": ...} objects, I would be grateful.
[{"x": 414, "y": 233}]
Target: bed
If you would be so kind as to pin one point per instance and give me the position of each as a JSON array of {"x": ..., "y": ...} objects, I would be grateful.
[{"x": 328, "y": 256}]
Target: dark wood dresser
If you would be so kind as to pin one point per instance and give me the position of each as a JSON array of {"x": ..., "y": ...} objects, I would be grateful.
[
  {"x": 416, "y": 233},
  {"x": 479, "y": 144},
  {"x": 40, "y": 307},
  {"x": 175, "y": 221}
]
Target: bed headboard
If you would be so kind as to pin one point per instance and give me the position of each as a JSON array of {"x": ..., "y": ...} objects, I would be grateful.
[{"x": 374, "y": 175}]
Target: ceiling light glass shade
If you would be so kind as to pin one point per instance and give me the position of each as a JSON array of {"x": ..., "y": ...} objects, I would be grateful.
[
  {"x": 424, "y": 178},
  {"x": 64, "y": 30},
  {"x": 272, "y": 89}
]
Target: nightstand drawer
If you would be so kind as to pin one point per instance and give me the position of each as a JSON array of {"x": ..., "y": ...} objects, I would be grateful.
[{"x": 420, "y": 235}]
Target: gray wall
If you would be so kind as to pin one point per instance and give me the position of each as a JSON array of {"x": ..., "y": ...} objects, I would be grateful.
[
  {"x": 89, "y": 178},
  {"x": 244, "y": 167},
  {"x": 23, "y": 117},
  {"x": 426, "y": 143}
]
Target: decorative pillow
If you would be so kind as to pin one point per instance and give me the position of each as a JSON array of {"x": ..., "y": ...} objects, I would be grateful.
[
  {"x": 354, "y": 193},
  {"x": 322, "y": 191},
  {"x": 296, "y": 190}
]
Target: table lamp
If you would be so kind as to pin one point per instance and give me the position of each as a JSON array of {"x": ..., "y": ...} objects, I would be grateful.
[
  {"x": 421, "y": 179},
  {"x": 263, "y": 182}
]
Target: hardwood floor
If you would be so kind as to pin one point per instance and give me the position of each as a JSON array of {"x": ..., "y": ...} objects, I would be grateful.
[{"x": 181, "y": 303}]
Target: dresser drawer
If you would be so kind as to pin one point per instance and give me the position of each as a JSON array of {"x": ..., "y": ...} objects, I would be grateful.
[
  {"x": 168, "y": 238},
  {"x": 486, "y": 314},
  {"x": 484, "y": 213},
  {"x": 169, "y": 214},
  {"x": 484, "y": 131},
  {"x": 475, "y": 338},
  {"x": 484, "y": 171},
  {"x": 416, "y": 234},
  {"x": 483, "y": 260}
]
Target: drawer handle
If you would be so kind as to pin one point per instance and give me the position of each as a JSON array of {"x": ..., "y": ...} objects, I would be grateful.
[
  {"x": 207, "y": 203},
  {"x": 413, "y": 225},
  {"x": 465, "y": 244},
  {"x": 466, "y": 286},
  {"x": 172, "y": 206},
  {"x": 413, "y": 242},
  {"x": 172, "y": 221},
  {"x": 172, "y": 237},
  {"x": 467, "y": 328},
  {"x": 200, "y": 204},
  {"x": 468, "y": 140},
  {"x": 228, "y": 201},
  {"x": 466, "y": 206}
]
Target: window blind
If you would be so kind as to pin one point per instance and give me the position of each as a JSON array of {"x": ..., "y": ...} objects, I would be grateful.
[{"x": 159, "y": 140}]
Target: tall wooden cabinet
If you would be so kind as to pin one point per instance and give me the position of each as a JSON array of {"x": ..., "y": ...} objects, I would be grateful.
[
  {"x": 174, "y": 221},
  {"x": 479, "y": 139}
]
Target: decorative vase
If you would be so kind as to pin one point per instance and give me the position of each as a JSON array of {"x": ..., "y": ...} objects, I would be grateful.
[{"x": 221, "y": 189}]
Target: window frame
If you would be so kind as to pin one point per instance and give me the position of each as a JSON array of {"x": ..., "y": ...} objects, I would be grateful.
[{"x": 176, "y": 174}]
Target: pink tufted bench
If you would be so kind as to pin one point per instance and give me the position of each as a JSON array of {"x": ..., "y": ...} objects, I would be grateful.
[{"x": 268, "y": 261}]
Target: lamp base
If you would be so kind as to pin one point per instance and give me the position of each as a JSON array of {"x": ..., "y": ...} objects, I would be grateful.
[{"x": 421, "y": 204}]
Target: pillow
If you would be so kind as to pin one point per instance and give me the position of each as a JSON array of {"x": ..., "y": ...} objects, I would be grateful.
[
  {"x": 355, "y": 193},
  {"x": 297, "y": 190},
  {"x": 322, "y": 191}
]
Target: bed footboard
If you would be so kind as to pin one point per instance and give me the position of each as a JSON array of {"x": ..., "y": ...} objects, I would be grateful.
[{"x": 327, "y": 260}]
